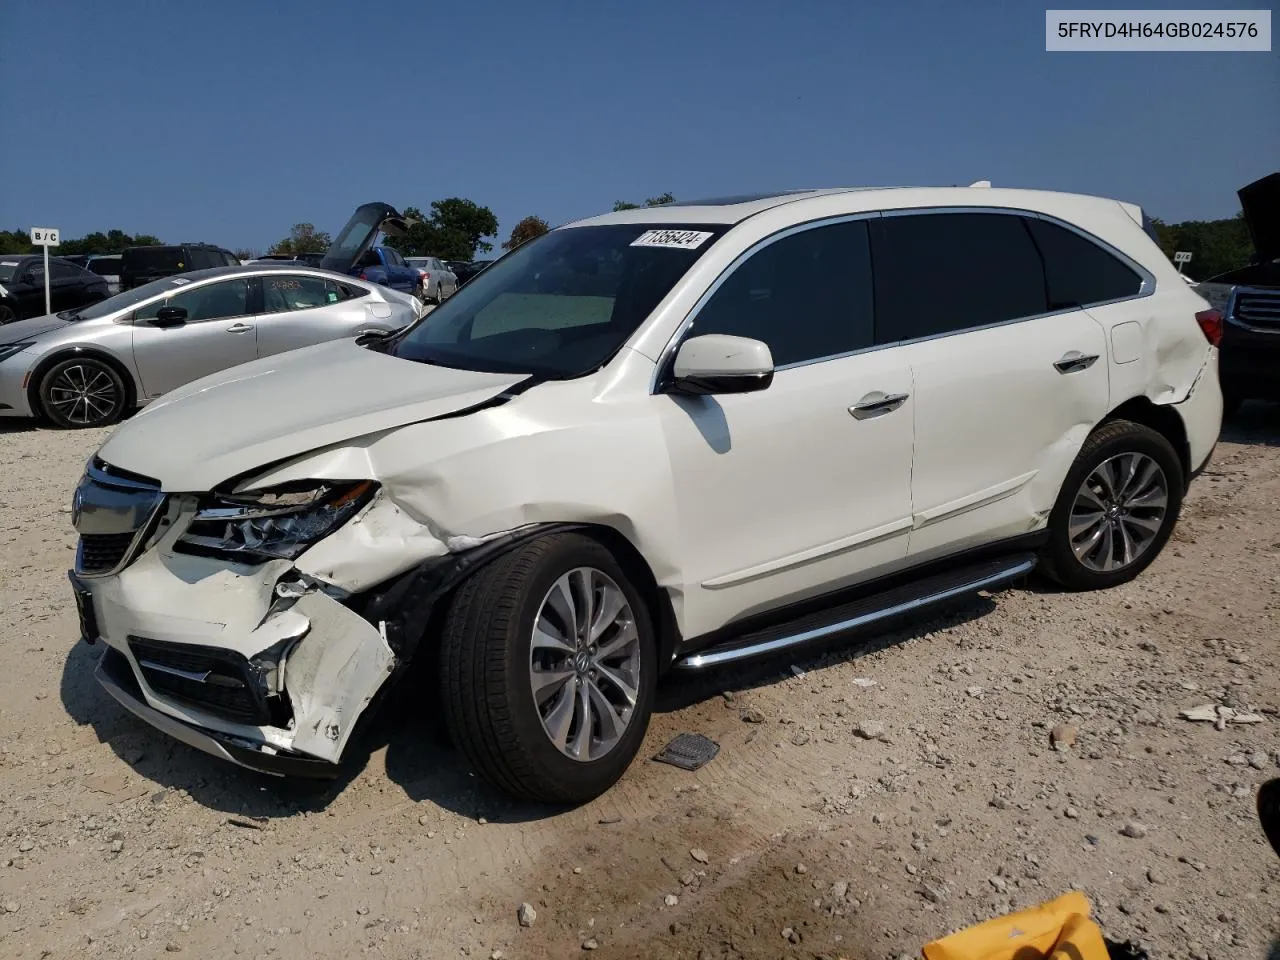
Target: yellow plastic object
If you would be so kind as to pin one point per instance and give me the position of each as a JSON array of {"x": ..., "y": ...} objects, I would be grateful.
[{"x": 1057, "y": 930}]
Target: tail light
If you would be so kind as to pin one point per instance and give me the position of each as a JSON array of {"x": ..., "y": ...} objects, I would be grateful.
[
  {"x": 363, "y": 276},
  {"x": 1210, "y": 325}
]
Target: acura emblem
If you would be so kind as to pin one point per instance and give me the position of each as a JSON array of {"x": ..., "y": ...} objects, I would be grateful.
[{"x": 77, "y": 500}]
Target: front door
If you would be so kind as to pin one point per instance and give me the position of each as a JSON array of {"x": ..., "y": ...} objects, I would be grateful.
[
  {"x": 217, "y": 333},
  {"x": 793, "y": 491}
]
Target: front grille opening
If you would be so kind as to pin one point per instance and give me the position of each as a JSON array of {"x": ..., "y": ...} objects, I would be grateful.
[
  {"x": 102, "y": 552},
  {"x": 1262, "y": 309},
  {"x": 220, "y": 682}
]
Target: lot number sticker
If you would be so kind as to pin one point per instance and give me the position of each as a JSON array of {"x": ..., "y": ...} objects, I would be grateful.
[{"x": 679, "y": 239}]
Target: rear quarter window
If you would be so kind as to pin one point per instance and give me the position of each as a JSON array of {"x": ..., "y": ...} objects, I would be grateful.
[{"x": 1079, "y": 272}]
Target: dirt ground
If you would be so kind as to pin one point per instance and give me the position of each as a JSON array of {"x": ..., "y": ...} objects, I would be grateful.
[{"x": 852, "y": 820}]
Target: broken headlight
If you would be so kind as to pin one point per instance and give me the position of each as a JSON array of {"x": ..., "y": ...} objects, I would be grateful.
[{"x": 277, "y": 523}]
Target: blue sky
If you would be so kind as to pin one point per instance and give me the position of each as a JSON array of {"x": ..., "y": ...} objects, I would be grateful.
[{"x": 230, "y": 121}]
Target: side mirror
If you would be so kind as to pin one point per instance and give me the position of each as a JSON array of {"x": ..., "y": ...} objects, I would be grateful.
[
  {"x": 719, "y": 363},
  {"x": 170, "y": 317}
]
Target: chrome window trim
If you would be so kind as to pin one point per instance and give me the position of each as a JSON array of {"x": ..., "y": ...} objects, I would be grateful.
[{"x": 1146, "y": 286}]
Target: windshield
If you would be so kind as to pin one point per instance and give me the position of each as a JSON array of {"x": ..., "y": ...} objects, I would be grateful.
[
  {"x": 8, "y": 268},
  {"x": 559, "y": 306},
  {"x": 123, "y": 301}
]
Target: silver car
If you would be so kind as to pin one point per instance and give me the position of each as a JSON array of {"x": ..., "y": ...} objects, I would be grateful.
[
  {"x": 438, "y": 281},
  {"x": 88, "y": 367}
]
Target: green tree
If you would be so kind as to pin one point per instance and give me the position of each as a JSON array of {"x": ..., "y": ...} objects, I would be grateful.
[
  {"x": 651, "y": 202},
  {"x": 245, "y": 253},
  {"x": 303, "y": 238},
  {"x": 1216, "y": 246},
  {"x": 454, "y": 230},
  {"x": 524, "y": 231},
  {"x": 113, "y": 241},
  {"x": 15, "y": 241}
]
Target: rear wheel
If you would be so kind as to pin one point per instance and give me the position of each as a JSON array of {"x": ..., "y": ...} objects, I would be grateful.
[
  {"x": 1116, "y": 509},
  {"x": 7, "y": 314},
  {"x": 548, "y": 669},
  {"x": 82, "y": 392}
]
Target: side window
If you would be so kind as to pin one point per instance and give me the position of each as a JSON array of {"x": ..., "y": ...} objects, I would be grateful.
[
  {"x": 368, "y": 259},
  {"x": 287, "y": 292},
  {"x": 1078, "y": 271},
  {"x": 105, "y": 267},
  {"x": 940, "y": 273},
  {"x": 209, "y": 302},
  {"x": 231, "y": 259},
  {"x": 64, "y": 271},
  {"x": 34, "y": 272},
  {"x": 808, "y": 295},
  {"x": 347, "y": 292}
]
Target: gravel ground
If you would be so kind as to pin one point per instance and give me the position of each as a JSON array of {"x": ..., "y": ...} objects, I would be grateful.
[{"x": 863, "y": 803}]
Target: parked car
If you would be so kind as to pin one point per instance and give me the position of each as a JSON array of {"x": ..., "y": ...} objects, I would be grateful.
[
  {"x": 87, "y": 366},
  {"x": 437, "y": 281},
  {"x": 1249, "y": 299},
  {"x": 386, "y": 266},
  {"x": 22, "y": 286},
  {"x": 139, "y": 265},
  {"x": 665, "y": 438},
  {"x": 107, "y": 266},
  {"x": 465, "y": 271},
  {"x": 310, "y": 259}
]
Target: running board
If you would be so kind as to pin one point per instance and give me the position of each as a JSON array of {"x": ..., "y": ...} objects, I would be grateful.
[{"x": 910, "y": 598}]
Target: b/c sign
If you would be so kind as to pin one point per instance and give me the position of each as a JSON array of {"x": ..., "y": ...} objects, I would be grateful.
[{"x": 44, "y": 236}]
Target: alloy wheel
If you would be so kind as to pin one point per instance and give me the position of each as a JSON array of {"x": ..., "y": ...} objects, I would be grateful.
[
  {"x": 84, "y": 394},
  {"x": 1118, "y": 512},
  {"x": 585, "y": 664}
]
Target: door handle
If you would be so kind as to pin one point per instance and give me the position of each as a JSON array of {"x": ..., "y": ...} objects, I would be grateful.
[
  {"x": 876, "y": 404},
  {"x": 1074, "y": 361},
  {"x": 240, "y": 328}
]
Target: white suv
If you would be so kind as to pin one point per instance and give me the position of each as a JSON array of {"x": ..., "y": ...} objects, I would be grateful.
[{"x": 673, "y": 437}]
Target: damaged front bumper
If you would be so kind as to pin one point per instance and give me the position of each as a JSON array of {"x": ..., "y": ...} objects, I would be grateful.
[
  {"x": 256, "y": 665},
  {"x": 268, "y": 664}
]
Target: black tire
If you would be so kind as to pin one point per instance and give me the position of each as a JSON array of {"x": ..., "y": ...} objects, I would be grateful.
[
  {"x": 7, "y": 314},
  {"x": 1114, "y": 438},
  {"x": 103, "y": 404},
  {"x": 486, "y": 673}
]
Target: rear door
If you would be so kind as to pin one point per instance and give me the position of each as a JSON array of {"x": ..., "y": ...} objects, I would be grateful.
[
  {"x": 1007, "y": 385},
  {"x": 218, "y": 333},
  {"x": 299, "y": 310}
]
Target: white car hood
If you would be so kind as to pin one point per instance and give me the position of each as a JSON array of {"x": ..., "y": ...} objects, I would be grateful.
[{"x": 279, "y": 407}]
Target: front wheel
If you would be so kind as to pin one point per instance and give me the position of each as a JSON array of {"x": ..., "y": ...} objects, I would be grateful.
[
  {"x": 82, "y": 392},
  {"x": 1116, "y": 509},
  {"x": 548, "y": 670}
]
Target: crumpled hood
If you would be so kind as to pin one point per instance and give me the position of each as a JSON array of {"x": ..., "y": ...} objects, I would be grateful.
[
  {"x": 29, "y": 329},
  {"x": 258, "y": 413}
]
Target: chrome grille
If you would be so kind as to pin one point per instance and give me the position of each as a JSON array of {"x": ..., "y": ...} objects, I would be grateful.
[
  {"x": 113, "y": 510},
  {"x": 1258, "y": 308}
]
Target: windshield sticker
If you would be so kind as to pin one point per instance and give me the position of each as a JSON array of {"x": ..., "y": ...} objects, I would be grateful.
[
  {"x": 179, "y": 281},
  {"x": 678, "y": 239}
]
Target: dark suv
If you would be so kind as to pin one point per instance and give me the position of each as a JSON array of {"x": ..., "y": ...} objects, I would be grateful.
[
  {"x": 1249, "y": 301},
  {"x": 139, "y": 265}
]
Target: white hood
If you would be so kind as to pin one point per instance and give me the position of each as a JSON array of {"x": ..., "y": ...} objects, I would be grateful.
[{"x": 279, "y": 407}]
